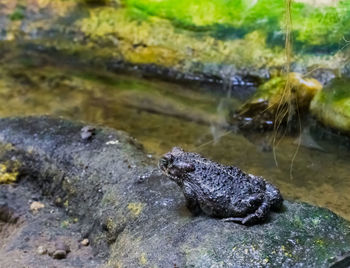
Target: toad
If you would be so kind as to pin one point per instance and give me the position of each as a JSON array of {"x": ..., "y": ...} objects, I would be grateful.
[{"x": 220, "y": 191}]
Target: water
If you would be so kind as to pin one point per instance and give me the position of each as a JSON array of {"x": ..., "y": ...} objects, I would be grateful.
[{"x": 162, "y": 115}]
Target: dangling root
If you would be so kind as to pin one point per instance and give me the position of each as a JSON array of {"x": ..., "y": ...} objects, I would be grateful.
[{"x": 288, "y": 104}]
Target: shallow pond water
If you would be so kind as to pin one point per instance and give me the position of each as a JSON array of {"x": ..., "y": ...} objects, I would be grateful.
[{"x": 162, "y": 115}]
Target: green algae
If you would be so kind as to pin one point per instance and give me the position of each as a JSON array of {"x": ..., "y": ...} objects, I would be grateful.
[{"x": 313, "y": 25}]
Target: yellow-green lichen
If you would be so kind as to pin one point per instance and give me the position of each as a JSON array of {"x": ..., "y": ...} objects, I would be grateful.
[
  {"x": 7, "y": 176},
  {"x": 320, "y": 242},
  {"x": 65, "y": 224},
  {"x": 286, "y": 252},
  {"x": 265, "y": 261},
  {"x": 110, "y": 224},
  {"x": 143, "y": 259},
  {"x": 136, "y": 208}
]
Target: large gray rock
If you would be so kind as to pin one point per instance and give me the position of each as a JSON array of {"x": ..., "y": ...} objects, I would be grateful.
[{"x": 135, "y": 223}]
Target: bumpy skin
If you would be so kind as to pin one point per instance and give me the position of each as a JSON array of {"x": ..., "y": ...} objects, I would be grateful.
[{"x": 220, "y": 191}]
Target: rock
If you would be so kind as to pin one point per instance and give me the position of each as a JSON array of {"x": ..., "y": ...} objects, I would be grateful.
[
  {"x": 61, "y": 250},
  {"x": 331, "y": 106},
  {"x": 87, "y": 132},
  {"x": 59, "y": 254},
  {"x": 240, "y": 47},
  {"x": 7, "y": 213},
  {"x": 259, "y": 111},
  {"x": 134, "y": 223},
  {"x": 41, "y": 250},
  {"x": 36, "y": 206},
  {"x": 62, "y": 246},
  {"x": 25, "y": 235},
  {"x": 85, "y": 242}
]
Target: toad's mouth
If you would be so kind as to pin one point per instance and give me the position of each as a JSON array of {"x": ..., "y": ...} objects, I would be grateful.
[{"x": 167, "y": 171}]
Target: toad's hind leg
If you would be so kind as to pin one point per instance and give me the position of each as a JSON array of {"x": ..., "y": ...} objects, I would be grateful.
[
  {"x": 258, "y": 216},
  {"x": 275, "y": 197},
  {"x": 245, "y": 207}
]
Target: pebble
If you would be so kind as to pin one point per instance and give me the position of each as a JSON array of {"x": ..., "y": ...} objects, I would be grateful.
[
  {"x": 59, "y": 254},
  {"x": 85, "y": 242},
  {"x": 61, "y": 250},
  {"x": 41, "y": 250},
  {"x": 87, "y": 132},
  {"x": 35, "y": 206}
]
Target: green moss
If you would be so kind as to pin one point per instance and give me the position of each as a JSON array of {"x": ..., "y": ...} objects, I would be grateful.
[
  {"x": 272, "y": 95},
  {"x": 18, "y": 13},
  {"x": 208, "y": 13},
  {"x": 157, "y": 41},
  {"x": 332, "y": 105},
  {"x": 314, "y": 26},
  {"x": 323, "y": 26}
]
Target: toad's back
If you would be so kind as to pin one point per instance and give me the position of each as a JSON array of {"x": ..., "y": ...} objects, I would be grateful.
[{"x": 218, "y": 179}]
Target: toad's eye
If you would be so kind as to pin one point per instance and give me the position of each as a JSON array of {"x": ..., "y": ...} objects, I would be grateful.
[
  {"x": 163, "y": 161},
  {"x": 166, "y": 160}
]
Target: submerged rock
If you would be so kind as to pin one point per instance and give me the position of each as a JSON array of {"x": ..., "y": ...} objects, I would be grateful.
[{"x": 135, "y": 223}]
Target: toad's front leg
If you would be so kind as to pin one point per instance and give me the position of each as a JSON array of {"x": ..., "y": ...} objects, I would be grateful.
[{"x": 191, "y": 200}]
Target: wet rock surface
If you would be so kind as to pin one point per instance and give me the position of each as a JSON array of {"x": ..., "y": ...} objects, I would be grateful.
[
  {"x": 27, "y": 237},
  {"x": 91, "y": 190}
]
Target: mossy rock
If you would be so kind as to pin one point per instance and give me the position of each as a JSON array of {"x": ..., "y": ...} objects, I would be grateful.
[
  {"x": 314, "y": 24},
  {"x": 239, "y": 41},
  {"x": 331, "y": 106},
  {"x": 293, "y": 92}
]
